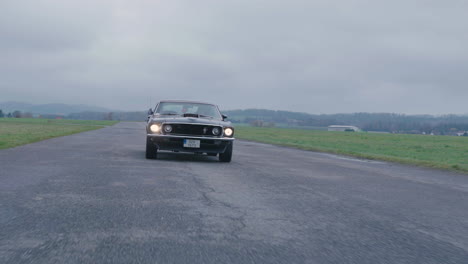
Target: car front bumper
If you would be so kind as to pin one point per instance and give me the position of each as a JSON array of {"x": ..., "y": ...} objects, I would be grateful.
[{"x": 176, "y": 143}]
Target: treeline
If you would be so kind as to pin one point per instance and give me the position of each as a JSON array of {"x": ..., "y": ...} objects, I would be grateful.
[
  {"x": 118, "y": 116},
  {"x": 384, "y": 122},
  {"x": 15, "y": 114}
]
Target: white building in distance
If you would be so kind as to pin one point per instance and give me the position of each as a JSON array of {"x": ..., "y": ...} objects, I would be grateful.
[{"x": 343, "y": 128}]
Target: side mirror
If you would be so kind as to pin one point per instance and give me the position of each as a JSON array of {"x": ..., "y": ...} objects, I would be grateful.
[
  {"x": 224, "y": 117},
  {"x": 150, "y": 111}
]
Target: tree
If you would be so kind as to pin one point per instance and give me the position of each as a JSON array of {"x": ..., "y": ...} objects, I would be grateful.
[
  {"x": 16, "y": 114},
  {"x": 109, "y": 116},
  {"x": 257, "y": 123},
  {"x": 27, "y": 115},
  {"x": 1, "y": 114},
  {"x": 269, "y": 124},
  {"x": 9, "y": 115}
]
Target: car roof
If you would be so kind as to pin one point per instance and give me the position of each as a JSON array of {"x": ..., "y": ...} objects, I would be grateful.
[{"x": 184, "y": 101}]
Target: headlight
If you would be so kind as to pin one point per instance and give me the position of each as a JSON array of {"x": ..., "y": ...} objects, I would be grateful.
[
  {"x": 168, "y": 128},
  {"x": 228, "y": 131},
  {"x": 155, "y": 128},
  {"x": 216, "y": 131}
]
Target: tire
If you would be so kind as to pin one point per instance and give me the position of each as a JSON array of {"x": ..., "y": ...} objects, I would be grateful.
[
  {"x": 151, "y": 149},
  {"x": 227, "y": 155}
]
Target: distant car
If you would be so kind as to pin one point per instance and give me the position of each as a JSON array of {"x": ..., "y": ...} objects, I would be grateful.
[{"x": 185, "y": 126}]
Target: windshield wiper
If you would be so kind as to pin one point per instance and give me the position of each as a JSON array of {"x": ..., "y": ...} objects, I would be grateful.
[
  {"x": 206, "y": 116},
  {"x": 196, "y": 115}
]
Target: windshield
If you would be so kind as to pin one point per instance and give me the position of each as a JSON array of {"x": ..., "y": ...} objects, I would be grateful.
[{"x": 181, "y": 108}]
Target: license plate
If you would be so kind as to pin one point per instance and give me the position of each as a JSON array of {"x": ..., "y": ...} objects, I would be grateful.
[{"x": 191, "y": 143}]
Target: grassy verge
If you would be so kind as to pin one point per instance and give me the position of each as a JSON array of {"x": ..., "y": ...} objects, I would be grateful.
[
  {"x": 442, "y": 152},
  {"x": 56, "y": 121},
  {"x": 19, "y": 131}
]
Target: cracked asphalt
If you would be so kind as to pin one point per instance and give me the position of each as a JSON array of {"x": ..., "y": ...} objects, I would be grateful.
[{"x": 94, "y": 198}]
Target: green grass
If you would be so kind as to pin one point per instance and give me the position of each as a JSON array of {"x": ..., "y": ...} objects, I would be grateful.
[
  {"x": 57, "y": 121},
  {"x": 19, "y": 131},
  {"x": 445, "y": 152}
]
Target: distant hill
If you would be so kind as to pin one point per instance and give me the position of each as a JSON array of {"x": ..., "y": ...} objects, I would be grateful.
[{"x": 52, "y": 109}]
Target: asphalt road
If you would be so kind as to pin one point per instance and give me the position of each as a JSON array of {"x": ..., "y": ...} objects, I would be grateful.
[{"x": 94, "y": 198}]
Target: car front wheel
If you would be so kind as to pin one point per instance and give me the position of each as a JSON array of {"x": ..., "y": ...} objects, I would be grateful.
[
  {"x": 227, "y": 155},
  {"x": 151, "y": 149}
]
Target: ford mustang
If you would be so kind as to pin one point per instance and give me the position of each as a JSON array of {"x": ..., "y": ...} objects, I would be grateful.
[{"x": 184, "y": 126}]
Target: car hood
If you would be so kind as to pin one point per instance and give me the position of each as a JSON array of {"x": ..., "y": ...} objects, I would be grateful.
[{"x": 189, "y": 120}]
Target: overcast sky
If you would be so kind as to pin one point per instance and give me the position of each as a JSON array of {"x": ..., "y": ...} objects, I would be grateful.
[{"x": 325, "y": 56}]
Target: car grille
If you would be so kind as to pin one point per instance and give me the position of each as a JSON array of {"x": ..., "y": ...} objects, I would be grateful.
[{"x": 192, "y": 130}]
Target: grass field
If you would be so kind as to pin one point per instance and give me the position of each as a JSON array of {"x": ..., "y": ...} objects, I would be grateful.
[
  {"x": 19, "y": 131},
  {"x": 445, "y": 152}
]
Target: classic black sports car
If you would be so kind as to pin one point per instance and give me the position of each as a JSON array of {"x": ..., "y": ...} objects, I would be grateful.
[{"x": 188, "y": 127}]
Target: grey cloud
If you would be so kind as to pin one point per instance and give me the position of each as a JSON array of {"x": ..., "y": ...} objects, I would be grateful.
[
  {"x": 49, "y": 26},
  {"x": 312, "y": 56}
]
